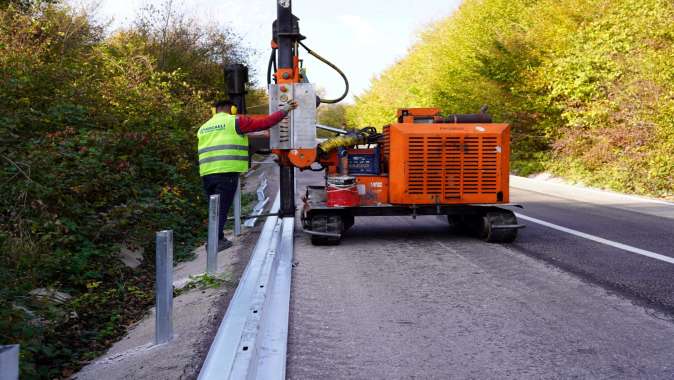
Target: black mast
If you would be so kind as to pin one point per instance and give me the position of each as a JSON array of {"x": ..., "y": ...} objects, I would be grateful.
[{"x": 285, "y": 39}]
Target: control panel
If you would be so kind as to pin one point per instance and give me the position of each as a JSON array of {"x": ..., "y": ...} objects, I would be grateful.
[{"x": 298, "y": 129}]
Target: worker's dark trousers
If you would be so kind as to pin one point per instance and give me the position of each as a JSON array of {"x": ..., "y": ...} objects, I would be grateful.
[{"x": 225, "y": 185}]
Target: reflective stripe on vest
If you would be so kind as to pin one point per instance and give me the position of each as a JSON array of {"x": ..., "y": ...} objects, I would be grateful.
[{"x": 221, "y": 149}]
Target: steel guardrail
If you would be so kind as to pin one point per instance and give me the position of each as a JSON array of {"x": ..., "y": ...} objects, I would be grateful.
[{"x": 252, "y": 338}]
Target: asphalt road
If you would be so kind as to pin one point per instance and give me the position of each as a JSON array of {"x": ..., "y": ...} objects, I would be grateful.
[{"x": 403, "y": 299}]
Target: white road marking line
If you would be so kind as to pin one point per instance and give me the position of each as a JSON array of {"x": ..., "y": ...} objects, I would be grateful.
[{"x": 597, "y": 239}]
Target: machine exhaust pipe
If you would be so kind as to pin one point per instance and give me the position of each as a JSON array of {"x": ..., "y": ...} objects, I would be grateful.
[{"x": 474, "y": 118}]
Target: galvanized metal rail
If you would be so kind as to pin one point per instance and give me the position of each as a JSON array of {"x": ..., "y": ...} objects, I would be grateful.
[{"x": 252, "y": 339}]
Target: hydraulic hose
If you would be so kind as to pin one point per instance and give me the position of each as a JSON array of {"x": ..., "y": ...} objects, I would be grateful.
[
  {"x": 341, "y": 141},
  {"x": 272, "y": 64},
  {"x": 367, "y": 135},
  {"x": 334, "y": 67}
]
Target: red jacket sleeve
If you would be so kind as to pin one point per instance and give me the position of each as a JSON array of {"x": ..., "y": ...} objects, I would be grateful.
[{"x": 245, "y": 124}]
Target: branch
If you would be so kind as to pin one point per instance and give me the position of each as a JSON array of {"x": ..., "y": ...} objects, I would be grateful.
[{"x": 20, "y": 170}]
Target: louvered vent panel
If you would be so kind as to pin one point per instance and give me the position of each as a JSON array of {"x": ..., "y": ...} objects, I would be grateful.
[
  {"x": 448, "y": 168},
  {"x": 471, "y": 165},
  {"x": 417, "y": 168},
  {"x": 453, "y": 156},
  {"x": 489, "y": 165},
  {"x": 434, "y": 165}
]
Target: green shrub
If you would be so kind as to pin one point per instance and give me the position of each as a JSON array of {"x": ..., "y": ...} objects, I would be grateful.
[{"x": 97, "y": 153}]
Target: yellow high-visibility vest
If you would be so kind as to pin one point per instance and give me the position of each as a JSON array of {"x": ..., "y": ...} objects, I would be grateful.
[{"x": 221, "y": 149}]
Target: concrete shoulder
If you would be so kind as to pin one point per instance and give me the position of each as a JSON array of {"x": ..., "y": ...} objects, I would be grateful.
[{"x": 643, "y": 205}]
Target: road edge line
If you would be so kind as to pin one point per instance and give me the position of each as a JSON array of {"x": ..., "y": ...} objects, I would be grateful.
[{"x": 598, "y": 239}]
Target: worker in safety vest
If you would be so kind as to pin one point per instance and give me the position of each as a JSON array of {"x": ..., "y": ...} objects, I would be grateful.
[{"x": 223, "y": 153}]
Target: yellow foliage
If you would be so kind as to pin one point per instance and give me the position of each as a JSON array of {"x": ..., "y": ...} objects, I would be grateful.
[{"x": 586, "y": 84}]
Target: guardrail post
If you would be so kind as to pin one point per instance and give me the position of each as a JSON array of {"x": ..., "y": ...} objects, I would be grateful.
[
  {"x": 164, "y": 290},
  {"x": 9, "y": 362},
  {"x": 237, "y": 209},
  {"x": 213, "y": 228}
]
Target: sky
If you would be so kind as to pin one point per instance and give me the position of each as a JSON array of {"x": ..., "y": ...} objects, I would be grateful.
[{"x": 362, "y": 37}]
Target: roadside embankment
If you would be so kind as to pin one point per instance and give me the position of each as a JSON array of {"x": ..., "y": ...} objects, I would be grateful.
[{"x": 198, "y": 307}]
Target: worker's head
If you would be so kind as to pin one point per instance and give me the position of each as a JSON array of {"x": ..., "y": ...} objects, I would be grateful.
[{"x": 226, "y": 106}]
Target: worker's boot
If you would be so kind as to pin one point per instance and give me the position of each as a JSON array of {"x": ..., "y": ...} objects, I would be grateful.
[{"x": 222, "y": 245}]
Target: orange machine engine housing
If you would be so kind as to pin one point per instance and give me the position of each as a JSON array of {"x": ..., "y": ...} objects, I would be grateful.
[{"x": 447, "y": 163}]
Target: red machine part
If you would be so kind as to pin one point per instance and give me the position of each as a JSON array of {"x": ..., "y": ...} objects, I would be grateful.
[
  {"x": 342, "y": 191},
  {"x": 373, "y": 190}
]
